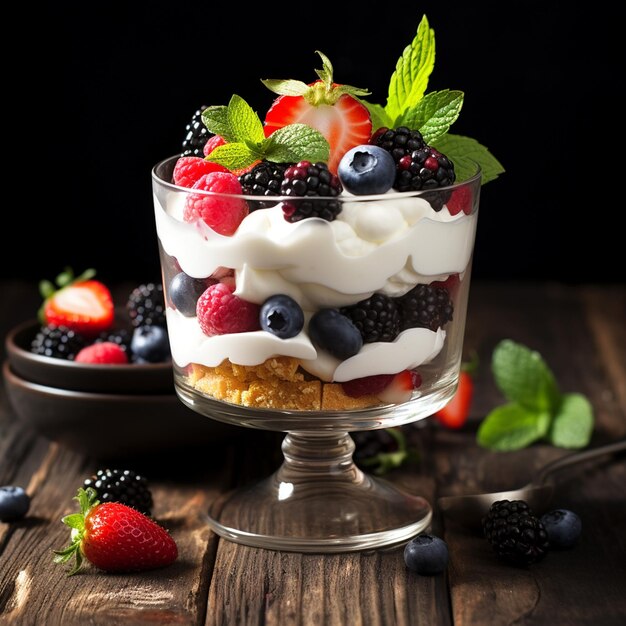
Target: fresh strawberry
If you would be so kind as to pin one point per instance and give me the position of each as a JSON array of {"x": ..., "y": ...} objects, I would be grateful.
[
  {"x": 82, "y": 305},
  {"x": 103, "y": 353},
  {"x": 330, "y": 108},
  {"x": 401, "y": 388},
  {"x": 455, "y": 413},
  {"x": 115, "y": 537}
]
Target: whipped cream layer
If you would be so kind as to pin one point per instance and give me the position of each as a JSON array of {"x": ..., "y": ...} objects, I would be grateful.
[{"x": 386, "y": 246}]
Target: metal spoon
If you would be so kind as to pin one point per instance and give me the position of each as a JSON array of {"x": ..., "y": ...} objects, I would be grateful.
[{"x": 469, "y": 510}]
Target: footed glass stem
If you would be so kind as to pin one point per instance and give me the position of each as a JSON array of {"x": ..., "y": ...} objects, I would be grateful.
[{"x": 320, "y": 501}]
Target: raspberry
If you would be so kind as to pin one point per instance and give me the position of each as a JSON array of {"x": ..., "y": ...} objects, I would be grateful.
[
  {"x": 190, "y": 169},
  {"x": 106, "y": 352},
  {"x": 211, "y": 144},
  {"x": 366, "y": 386},
  {"x": 221, "y": 213},
  {"x": 221, "y": 312}
]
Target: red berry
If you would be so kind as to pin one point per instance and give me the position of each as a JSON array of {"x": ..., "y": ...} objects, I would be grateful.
[
  {"x": 455, "y": 413},
  {"x": 431, "y": 163},
  {"x": 189, "y": 169},
  {"x": 401, "y": 387},
  {"x": 106, "y": 352},
  {"x": 212, "y": 143},
  {"x": 451, "y": 284},
  {"x": 367, "y": 386},
  {"x": 85, "y": 307},
  {"x": 405, "y": 162},
  {"x": 221, "y": 213},
  {"x": 221, "y": 312},
  {"x": 115, "y": 537},
  {"x": 460, "y": 200}
]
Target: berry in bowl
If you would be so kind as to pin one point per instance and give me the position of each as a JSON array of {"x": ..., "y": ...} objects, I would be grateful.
[{"x": 82, "y": 342}]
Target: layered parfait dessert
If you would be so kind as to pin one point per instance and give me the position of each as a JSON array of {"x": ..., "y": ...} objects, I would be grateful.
[{"x": 319, "y": 260}]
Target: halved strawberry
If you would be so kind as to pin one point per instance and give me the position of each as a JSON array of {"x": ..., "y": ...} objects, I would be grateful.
[
  {"x": 401, "y": 387},
  {"x": 329, "y": 107},
  {"x": 455, "y": 413},
  {"x": 84, "y": 306}
]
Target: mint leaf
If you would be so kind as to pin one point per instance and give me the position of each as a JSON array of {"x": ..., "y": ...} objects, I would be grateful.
[
  {"x": 433, "y": 114},
  {"x": 233, "y": 156},
  {"x": 573, "y": 422},
  {"x": 465, "y": 152},
  {"x": 244, "y": 122},
  {"x": 512, "y": 427},
  {"x": 294, "y": 143},
  {"x": 523, "y": 377},
  {"x": 378, "y": 114},
  {"x": 408, "y": 83},
  {"x": 216, "y": 120}
]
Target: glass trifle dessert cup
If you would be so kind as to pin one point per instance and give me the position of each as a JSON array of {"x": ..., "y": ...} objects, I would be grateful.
[
  {"x": 316, "y": 270},
  {"x": 389, "y": 265}
]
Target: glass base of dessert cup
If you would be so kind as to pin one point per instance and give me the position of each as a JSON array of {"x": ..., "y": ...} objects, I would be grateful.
[{"x": 319, "y": 501}]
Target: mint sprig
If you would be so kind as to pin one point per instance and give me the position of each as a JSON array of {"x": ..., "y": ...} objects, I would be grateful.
[
  {"x": 242, "y": 129},
  {"x": 537, "y": 410},
  {"x": 433, "y": 113}
]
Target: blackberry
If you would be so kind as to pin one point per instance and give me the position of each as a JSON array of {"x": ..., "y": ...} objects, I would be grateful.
[
  {"x": 125, "y": 486},
  {"x": 146, "y": 305},
  {"x": 121, "y": 337},
  {"x": 425, "y": 306},
  {"x": 377, "y": 318},
  {"x": 419, "y": 166},
  {"x": 196, "y": 136},
  {"x": 264, "y": 179},
  {"x": 58, "y": 342},
  {"x": 398, "y": 142},
  {"x": 306, "y": 179},
  {"x": 515, "y": 533},
  {"x": 369, "y": 443}
]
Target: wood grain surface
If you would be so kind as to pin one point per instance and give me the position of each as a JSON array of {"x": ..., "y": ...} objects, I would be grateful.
[{"x": 581, "y": 333}]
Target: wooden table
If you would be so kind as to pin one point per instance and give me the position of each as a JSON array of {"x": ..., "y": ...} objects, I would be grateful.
[{"x": 580, "y": 331}]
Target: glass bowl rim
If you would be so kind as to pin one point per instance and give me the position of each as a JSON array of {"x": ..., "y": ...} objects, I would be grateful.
[{"x": 294, "y": 199}]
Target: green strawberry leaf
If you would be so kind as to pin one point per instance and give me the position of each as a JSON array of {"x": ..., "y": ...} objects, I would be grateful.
[
  {"x": 379, "y": 116},
  {"x": 465, "y": 153},
  {"x": 524, "y": 377},
  {"x": 512, "y": 427},
  {"x": 410, "y": 79},
  {"x": 326, "y": 73},
  {"x": 244, "y": 122},
  {"x": 286, "y": 87},
  {"x": 573, "y": 422},
  {"x": 296, "y": 142},
  {"x": 433, "y": 114},
  {"x": 65, "y": 277},
  {"x": 46, "y": 289},
  {"x": 234, "y": 156},
  {"x": 75, "y": 520}
]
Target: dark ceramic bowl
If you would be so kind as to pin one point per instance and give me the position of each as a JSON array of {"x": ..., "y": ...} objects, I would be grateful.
[
  {"x": 111, "y": 425},
  {"x": 153, "y": 378}
]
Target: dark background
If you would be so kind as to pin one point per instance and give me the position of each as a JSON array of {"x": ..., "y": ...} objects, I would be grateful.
[{"x": 102, "y": 92}]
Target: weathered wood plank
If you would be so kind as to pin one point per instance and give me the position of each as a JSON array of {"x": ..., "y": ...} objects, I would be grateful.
[{"x": 553, "y": 320}]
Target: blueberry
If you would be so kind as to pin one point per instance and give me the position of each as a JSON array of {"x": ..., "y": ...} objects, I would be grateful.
[
  {"x": 14, "y": 503},
  {"x": 563, "y": 528},
  {"x": 367, "y": 170},
  {"x": 335, "y": 333},
  {"x": 282, "y": 316},
  {"x": 184, "y": 292},
  {"x": 426, "y": 555},
  {"x": 150, "y": 344}
]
